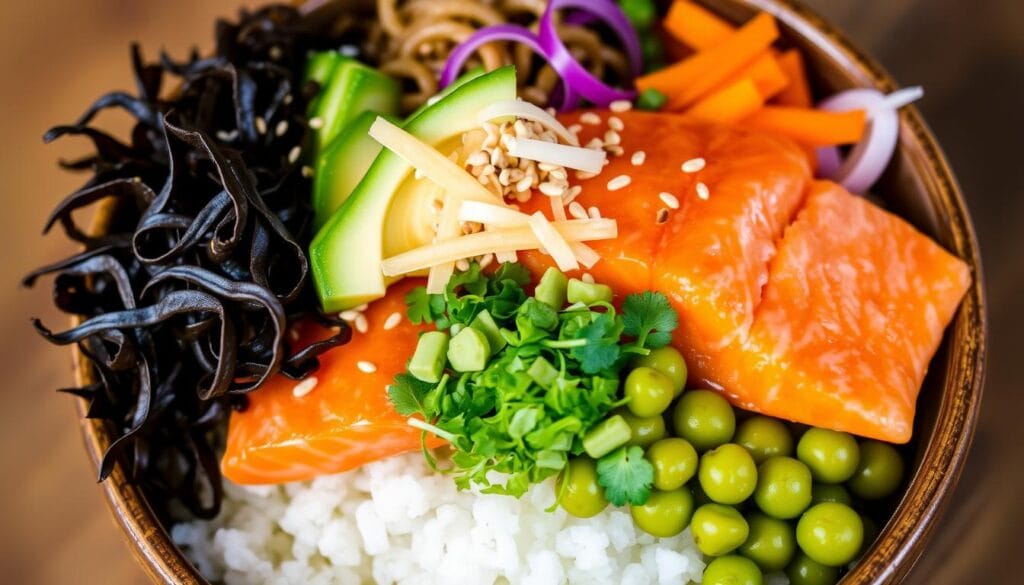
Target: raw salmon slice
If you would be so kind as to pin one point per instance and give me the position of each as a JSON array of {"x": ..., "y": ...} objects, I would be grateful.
[
  {"x": 345, "y": 421},
  {"x": 854, "y": 308}
]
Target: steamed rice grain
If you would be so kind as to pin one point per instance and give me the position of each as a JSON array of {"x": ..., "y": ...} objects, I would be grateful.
[{"x": 398, "y": 521}]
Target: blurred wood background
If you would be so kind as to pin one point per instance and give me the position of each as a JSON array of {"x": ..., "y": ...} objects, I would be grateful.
[{"x": 56, "y": 56}]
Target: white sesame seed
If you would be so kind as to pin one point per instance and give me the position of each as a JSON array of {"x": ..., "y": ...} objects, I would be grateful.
[
  {"x": 307, "y": 171},
  {"x": 316, "y": 123},
  {"x": 547, "y": 167},
  {"x": 638, "y": 158},
  {"x": 595, "y": 144},
  {"x": 615, "y": 123},
  {"x": 362, "y": 307},
  {"x": 575, "y": 128},
  {"x": 392, "y": 321},
  {"x": 276, "y": 53},
  {"x": 572, "y": 193},
  {"x": 524, "y": 184},
  {"x": 702, "y": 191},
  {"x": 619, "y": 182},
  {"x": 282, "y": 128},
  {"x": 581, "y": 175},
  {"x": 612, "y": 137},
  {"x": 620, "y": 106},
  {"x": 590, "y": 118},
  {"x": 551, "y": 189},
  {"x": 477, "y": 158},
  {"x": 693, "y": 165},
  {"x": 587, "y": 277},
  {"x": 669, "y": 199},
  {"x": 559, "y": 174},
  {"x": 304, "y": 387},
  {"x": 349, "y": 315},
  {"x": 594, "y": 213},
  {"x": 261, "y": 125},
  {"x": 225, "y": 136},
  {"x": 614, "y": 150},
  {"x": 576, "y": 210},
  {"x": 361, "y": 324},
  {"x": 486, "y": 260},
  {"x": 294, "y": 153},
  {"x": 524, "y": 196},
  {"x": 462, "y": 265},
  {"x": 366, "y": 367},
  {"x": 288, "y": 99}
]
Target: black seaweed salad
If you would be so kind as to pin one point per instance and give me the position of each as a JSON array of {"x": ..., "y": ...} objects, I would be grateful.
[{"x": 187, "y": 295}]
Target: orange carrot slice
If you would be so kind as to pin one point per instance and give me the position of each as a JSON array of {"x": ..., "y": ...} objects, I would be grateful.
[
  {"x": 807, "y": 126},
  {"x": 767, "y": 74},
  {"x": 687, "y": 81},
  {"x": 696, "y": 26},
  {"x": 797, "y": 92},
  {"x": 730, "y": 104}
]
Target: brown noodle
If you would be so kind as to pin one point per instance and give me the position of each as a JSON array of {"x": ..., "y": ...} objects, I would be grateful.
[{"x": 413, "y": 38}]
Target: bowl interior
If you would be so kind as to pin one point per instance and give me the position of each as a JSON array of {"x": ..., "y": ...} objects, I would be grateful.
[{"x": 919, "y": 186}]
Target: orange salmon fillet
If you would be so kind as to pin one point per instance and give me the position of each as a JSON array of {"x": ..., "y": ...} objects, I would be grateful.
[{"x": 344, "y": 422}]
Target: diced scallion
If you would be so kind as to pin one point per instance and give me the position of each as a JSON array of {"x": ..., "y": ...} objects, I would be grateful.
[
  {"x": 606, "y": 437},
  {"x": 587, "y": 292},
  {"x": 468, "y": 351},
  {"x": 427, "y": 363},
  {"x": 552, "y": 288}
]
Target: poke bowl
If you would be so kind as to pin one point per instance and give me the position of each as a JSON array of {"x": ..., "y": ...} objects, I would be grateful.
[{"x": 917, "y": 185}]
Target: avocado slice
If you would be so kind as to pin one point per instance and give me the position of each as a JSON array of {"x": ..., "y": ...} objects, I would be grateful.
[
  {"x": 344, "y": 162},
  {"x": 352, "y": 89},
  {"x": 347, "y": 252}
]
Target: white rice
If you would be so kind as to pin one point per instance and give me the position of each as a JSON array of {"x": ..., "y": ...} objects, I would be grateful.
[{"x": 397, "y": 521}]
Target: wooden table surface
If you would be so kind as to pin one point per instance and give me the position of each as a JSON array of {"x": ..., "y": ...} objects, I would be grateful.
[{"x": 56, "y": 56}]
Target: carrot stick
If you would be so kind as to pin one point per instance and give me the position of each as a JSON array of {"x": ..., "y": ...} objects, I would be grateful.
[
  {"x": 729, "y": 104},
  {"x": 798, "y": 92},
  {"x": 696, "y": 26},
  {"x": 767, "y": 74},
  {"x": 687, "y": 81},
  {"x": 810, "y": 127}
]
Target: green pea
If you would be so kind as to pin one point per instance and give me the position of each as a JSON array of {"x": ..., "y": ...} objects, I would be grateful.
[
  {"x": 665, "y": 514},
  {"x": 644, "y": 430},
  {"x": 764, "y": 437},
  {"x": 668, "y": 361},
  {"x": 879, "y": 472},
  {"x": 832, "y": 456},
  {"x": 805, "y": 571},
  {"x": 581, "y": 495},
  {"x": 830, "y": 492},
  {"x": 732, "y": 570},
  {"x": 649, "y": 391},
  {"x": 674, "y": 461},
  {"x": 728, "y": 474},
  {"x": 783, "y": 487},
  {"x": 704, "y": 418},
  {"x": 718, "y": 529},
  {"x": 641, "y": 13},
  {"x": 830, "y": 533},
  {"x": 771, "y": 543}
]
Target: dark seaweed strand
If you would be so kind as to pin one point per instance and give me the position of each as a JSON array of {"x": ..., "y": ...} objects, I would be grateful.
[{"x": 188, "y": 298}]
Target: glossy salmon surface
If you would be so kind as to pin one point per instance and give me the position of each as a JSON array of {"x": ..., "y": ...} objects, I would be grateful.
[{"x": 346, "y": 420}]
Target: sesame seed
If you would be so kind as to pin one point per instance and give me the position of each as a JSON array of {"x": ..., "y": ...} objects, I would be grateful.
[
  {"x": 572, "y": 193},
  {"x": 523, "y": 196},
  {"x": 559, "y": 174},
  {"x": 575, "y": 128},
  {"x": 693, "y": 165},
  {"x": 307, "y": 171},
  {"x": 316, "y": 123},
  {"x": 669, "y": 199},
  {"x": 615, "y": 123},
  {"x": 614, "y": 150},
  {"x": 477, "y": 158},
  {"x": 362, "y": 307},
  {"x": 462, "y": 265},
  {"x": 547, "y": 167},
  {"x": 361, "y": 324},
  {"x": 293, "y": 154},
  {"x": 662, "y": 216},
  {"x": 595, "y": 144},
  {"x": 620, "y": 106},
  {"x": 587, "y": 278},
  {"x": 304, "y": 387},
  {"x": 551, "y": 189},
  {"x": 486, "y": 260},
  {"x": 638, "y": 158},
  {"x": 584, "y": 175},
  {"x": 261, "y": 125},
  {"x": 349, "y": 315},
  {"x": 276, "y": 53},
  {"x": 524, "y": 184},
  {"x": 702, "y": 191},
  {"x": 366, "y": 367},
  {"x": 288, "y": 99},
  {"x": 619, "y": 182},
  {"x": 225, "y": 136},
  {"x": 594, "y": 213},
  {"x": 577, "y": 211},
  {"x": 282, "y": 128},
  {"x": 392, "y": 321},
  {"x": 293, "y": 334},
  {"x": 590, "y": 118},
  {"x": 612, "y": 137}
]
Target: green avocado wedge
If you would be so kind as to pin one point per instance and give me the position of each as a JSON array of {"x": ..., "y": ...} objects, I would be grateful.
[
  {"x": 346, "y": 253},
  {"x": 352, "y": 88}
]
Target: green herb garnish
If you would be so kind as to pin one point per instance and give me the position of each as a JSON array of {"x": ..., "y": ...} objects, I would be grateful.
[{"x": 550, "y": 375}]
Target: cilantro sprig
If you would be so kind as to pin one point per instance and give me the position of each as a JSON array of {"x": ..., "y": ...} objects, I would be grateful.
[{"x": 556, "y": 377}]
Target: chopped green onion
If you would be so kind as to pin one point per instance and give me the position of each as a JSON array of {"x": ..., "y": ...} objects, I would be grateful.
[
  {"x": 606, "y": 437},
  {"x": 468, "y": 351},
  {"x": 427, "y": 363},
  {"x": 651, "y": 100},
  {"x": 587, "y": 292}
]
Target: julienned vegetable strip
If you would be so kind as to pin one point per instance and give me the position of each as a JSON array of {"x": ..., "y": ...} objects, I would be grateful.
[
  {"x": 767, "y": 74},
  {"x": 729, "y": 104},
  {"x": 798, "y": 92},
  {"x": 523, "y": 238},
  {"x": 696, "y": 26},
  {"x": 687, "y": 81},
  {"x": 808, "y": 126}
]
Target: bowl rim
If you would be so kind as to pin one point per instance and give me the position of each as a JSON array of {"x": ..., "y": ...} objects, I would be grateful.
[{"x": 902, "y": 541}]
